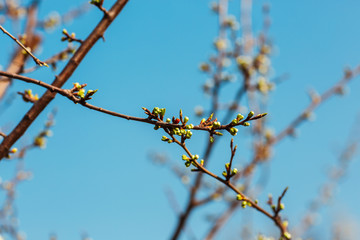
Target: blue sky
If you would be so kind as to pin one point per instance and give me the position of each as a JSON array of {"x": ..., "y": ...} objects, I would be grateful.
[{"x": 95, "y": 175}]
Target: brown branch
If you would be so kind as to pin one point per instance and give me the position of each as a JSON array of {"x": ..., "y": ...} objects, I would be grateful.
[
  {"x": 315, "y": 103},
  {"x": 324, "y": 97},
  {"x": 336, "y": 89},
  {"x": 199, "y": 167},
  {"x": 73, "y": 97},
  {"x": 26, "y": 49},
  {"x": 18, "y": 60},
  {"x": 60, "y": 80},
  {"x": 192, "y": 202},
  {"x": 326, "y": 193},
  {"x": 222, "y": 220}
]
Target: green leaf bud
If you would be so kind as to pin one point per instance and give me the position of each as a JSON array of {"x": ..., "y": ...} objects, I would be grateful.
[
  {"x": 40, "y": 142},
  {"x": 282, "y": 206},
  {"x": 246, "y": 124},
  {"x": 234, "y": 171},
  {"x": 261, "y": 115},
  {"x": 188, "y": 134},
  {"x": 287, "y": 235},
  {"x": 92, "y": 91},
  {"x": 234, "y": 121},
  {"x": 211, "y": 116},
  {"x": 81, "y": 93},
  {"x": 177, "y": 131},
  {"x": 224, "y": 174},
  {"x": 239, "y": 117},
  {"x": 187, "y": 164},
  {"x": 233, "y": 131},
  {"x": 77, "y": 85},
  {"x": 168, "y": 120},
  {"x": 156, "y": 110},
  {"x": 162, "y": 112},
  {"x": 285, "y": 223},
  {"x": 216, "y": 124},
  {"x": 95, "y": 2},
  {"x": 186, "y": 119},
  {"x": 164, "y": 138},
  {"x": 227, "y": 166},
  {"x": 251, "y": 114},
  {"x": 239, "y": 197}
]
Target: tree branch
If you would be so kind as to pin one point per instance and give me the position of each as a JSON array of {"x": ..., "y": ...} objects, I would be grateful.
[
  {"x": 60, "y": 80},
  {"x": 26, "y": 49},
  {"x": 69, "y": 93}
]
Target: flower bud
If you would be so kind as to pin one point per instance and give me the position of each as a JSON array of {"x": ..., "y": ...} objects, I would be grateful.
[
  {"x": 251, "y": 114},
  {"x": 186, "y": 119},
  {"x": 239, "y": 197},
  {"x": 13, "y": 150},
  {"x": 81, "y": 93},
  {"x": 287, "y": 235},
  {"x": 233, "y": 131}
]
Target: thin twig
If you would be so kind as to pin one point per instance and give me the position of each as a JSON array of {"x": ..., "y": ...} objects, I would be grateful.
[
  {"x": 26, "y": 49},
  {"x": 52, "y": 60}
]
